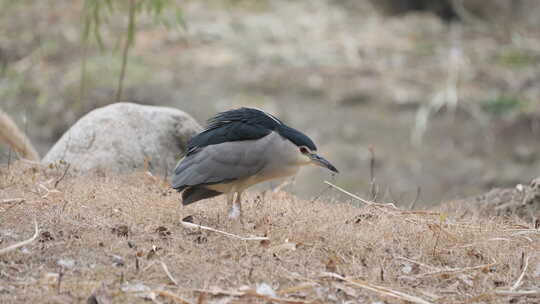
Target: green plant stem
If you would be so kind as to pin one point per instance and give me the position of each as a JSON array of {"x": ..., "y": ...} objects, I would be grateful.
[
  {"x": 129, "y": 41},
  {"x": 82, "y": 88}
]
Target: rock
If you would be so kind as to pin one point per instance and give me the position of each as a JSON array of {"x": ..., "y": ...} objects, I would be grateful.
[{"x": 123, "y": 137}]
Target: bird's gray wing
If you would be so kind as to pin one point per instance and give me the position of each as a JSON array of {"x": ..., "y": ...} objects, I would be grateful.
[{"x": 220, "y": 163}]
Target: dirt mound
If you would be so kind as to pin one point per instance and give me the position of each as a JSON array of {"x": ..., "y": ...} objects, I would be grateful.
[
  {"x": 119, "y": 238},
  {"x": 522, "y": 201}
]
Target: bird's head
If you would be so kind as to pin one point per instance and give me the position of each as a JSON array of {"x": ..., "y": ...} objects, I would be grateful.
[
  {"x": 311, "y": 157},
  {"x": 306, "y": 148}
]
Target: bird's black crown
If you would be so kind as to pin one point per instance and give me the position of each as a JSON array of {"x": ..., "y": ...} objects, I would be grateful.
[{"x": 245, "y": 124}]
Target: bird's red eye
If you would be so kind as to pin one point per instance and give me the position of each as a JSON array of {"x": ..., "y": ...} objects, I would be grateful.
[{"x": 304, "y": 150}]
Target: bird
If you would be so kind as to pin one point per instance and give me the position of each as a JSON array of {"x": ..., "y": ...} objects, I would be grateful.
[{"x": 238, "y": 149}]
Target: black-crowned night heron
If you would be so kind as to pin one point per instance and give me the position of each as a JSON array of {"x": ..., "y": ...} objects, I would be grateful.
[{"x": 238, "y": 149}]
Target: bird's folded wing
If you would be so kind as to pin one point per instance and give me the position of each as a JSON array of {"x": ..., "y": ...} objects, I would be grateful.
[
  {"x": 232, "y": 131},
  {"x": 220, "y": 163}
]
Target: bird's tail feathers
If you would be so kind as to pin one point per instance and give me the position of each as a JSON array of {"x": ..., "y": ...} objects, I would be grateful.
[{"x": 197, "y": 193}]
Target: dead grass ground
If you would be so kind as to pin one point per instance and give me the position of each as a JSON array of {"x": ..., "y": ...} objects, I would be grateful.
[{"x": 110, "y": 239}]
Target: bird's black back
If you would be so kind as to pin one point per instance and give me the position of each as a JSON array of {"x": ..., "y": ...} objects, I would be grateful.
[{"x": 245, "y": 124}]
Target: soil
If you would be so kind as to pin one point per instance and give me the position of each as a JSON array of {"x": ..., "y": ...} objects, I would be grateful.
[{"x": 109, "y": 238}]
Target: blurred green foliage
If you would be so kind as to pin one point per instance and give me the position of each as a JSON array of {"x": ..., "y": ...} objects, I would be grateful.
[
  {"x": 65, "y": 65},
  {"x": 502, "y": 105},
  {"x": 517, "y": 58},
  {"x": 426, "y": 48},
  {"x": 98, "y": 12}
]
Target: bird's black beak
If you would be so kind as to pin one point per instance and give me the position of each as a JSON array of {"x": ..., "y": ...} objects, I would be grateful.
[{"x": 321, "y": 161}]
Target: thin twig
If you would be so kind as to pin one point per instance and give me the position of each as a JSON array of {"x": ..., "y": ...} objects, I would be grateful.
[
  {"x": 220, "y": 292},
  {"x": 320, "y": 194},
  {"x": 9, "y": 159},
  {"x": 295, "y": 289},
  {"x": 172, "y": 296},
  {"x": 60, "y": 276},
  {"x": 378, "y": 289},
  {"x": 418, "y": 263},
  {"x": 41, "y": 186},
  {"x": 23, "y": 243},
  {"x": 84, "y": 60},
  {"x": 12, "y": 200},
  {"x": 369, "y": 203},
  {"x": 420, "y": 212},
  {"x": 518, "y": 293},
  {"x": 373, "y": 189},
  {"x": 164, "y": 266},
  {"x": 456, "y": 270},
  {"x": 63, "y": 175},
  {"x": 197, "y": 226},
  {"x": 413, "y": 203},
  {"x": 127, "y": 45},
  {"x": 253, "y": 293},
  {"x": 272, "y": 299},
  {"x": 520, "y": 278},
  {"x": 148, "y": 266}
]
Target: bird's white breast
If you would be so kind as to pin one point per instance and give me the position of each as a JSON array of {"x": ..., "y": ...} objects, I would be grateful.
[{"x": 284, "y": 159}]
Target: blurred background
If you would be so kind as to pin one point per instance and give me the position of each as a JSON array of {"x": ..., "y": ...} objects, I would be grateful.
[{"x": 445, "y": 94}]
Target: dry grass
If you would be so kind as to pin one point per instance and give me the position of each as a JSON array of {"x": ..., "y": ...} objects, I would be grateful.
[{"x": 106, "y": 238}]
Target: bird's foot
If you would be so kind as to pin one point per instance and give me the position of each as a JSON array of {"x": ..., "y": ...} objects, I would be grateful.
[
  {"x": 235, "y": 212},
  {"x": 235, "y": 217}
]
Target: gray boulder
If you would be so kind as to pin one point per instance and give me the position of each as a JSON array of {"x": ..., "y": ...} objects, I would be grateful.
[{"x": 123, "y": 137}]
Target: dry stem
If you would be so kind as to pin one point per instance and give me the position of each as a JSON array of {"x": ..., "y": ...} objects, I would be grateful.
[
  {"x": 196, "y": 226},
  {"x": 172, "y": 296},
  {"x": 23, "y": 243},
  {"x": 11, "y": 200},
  {"x": 168, "y": 273},
  {"x": 520, "y": 278},
  {"x": 378, "y": 289}
]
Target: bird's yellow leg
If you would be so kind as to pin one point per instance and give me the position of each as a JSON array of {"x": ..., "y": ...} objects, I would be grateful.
[
  {"x": 235, "y": 207},
  {"x": 238, "y": 205},
  {"x": 230, "y": 203}
]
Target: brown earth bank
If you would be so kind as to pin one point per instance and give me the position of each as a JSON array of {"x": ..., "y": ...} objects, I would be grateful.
[
  {"x": 106, "y": 238},
  {"x": 521, "y": 200}
]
